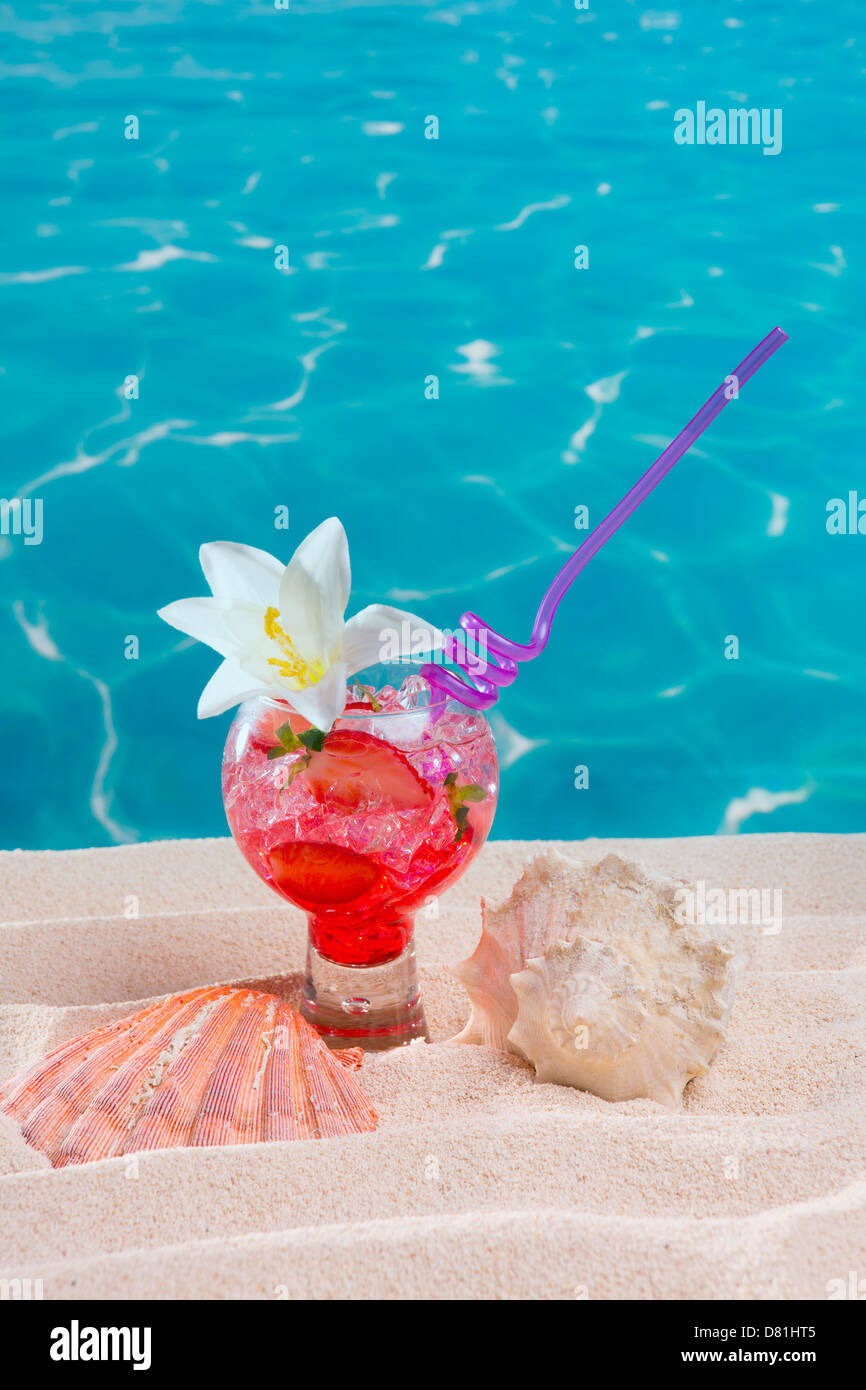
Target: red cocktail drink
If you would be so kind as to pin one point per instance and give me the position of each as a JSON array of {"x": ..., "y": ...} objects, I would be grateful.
[{"x": 361, "y": 827}]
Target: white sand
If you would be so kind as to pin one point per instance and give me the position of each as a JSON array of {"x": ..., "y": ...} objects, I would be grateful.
[{"x": 479, "y": 1183}]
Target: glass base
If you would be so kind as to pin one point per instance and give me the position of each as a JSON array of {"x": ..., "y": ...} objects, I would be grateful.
[{"x": 369, "y": 1006}]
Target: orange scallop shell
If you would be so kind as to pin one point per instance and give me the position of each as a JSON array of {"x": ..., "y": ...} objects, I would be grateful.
[{"x": 211, "y": 1066}]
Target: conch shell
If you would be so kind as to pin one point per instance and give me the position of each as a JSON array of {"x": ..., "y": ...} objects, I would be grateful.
[
  {"x": 211, "y": 1066},
  {"x": 594, "y": 977}
]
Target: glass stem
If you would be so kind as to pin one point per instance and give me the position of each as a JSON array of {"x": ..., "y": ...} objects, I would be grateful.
[{"x": 370, "y": 1006}]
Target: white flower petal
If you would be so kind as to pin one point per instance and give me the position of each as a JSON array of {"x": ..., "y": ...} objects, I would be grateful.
[
  {"x": 241, "y": 572},
  {"x": 204, "y": 619},
  {"x": 228, "y": 686},
  {"x": 313, "y": 631},
  {"x": 324, "y": 554},
  {"x": 379, "y": 633},
  {"x": 322, "y": 703},
  {"x": 310, "y": 592},
  {"x": 314, "y": 591},
  {"x": 246, "y": 624}
]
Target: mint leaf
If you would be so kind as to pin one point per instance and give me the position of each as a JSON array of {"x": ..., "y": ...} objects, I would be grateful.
[
  {"x": 472, "y": 793},
  {"x": 312, "y": 739},
  {"x": 287, "y": 736},
  {"x": 370, "y": 692},
  {"x": 295, "y": 769},
  {"x": 461, "y": 817},
  {"x": 291, "y": 742},
  {"x": 288, "y": 742},
  {"x": 457, "y": 799}
]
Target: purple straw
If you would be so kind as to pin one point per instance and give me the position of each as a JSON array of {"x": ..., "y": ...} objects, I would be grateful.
[{"x": 487, "y": 677}]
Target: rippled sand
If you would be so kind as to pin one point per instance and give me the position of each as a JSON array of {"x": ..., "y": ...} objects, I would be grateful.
[{"x": 479, "y": 1183}]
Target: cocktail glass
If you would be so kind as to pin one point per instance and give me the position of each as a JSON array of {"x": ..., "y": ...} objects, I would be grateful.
[{"x": 363, "y": 832}]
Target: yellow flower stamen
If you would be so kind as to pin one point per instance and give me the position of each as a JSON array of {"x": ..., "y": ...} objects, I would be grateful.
[{"x": 291, "y": 665}]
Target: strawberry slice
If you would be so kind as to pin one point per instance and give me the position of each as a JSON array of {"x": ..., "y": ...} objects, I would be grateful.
[
  {"x": 355, "y": 769},
  {"x": 326, "y": 875},
  {"x": 270, "y": 718}
]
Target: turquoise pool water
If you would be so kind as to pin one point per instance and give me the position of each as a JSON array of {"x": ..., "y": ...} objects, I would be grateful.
[{"x": 409, "y": 258}]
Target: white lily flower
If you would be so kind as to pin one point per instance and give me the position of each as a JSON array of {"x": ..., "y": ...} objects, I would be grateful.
[{"x": 281, "y": 630}]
